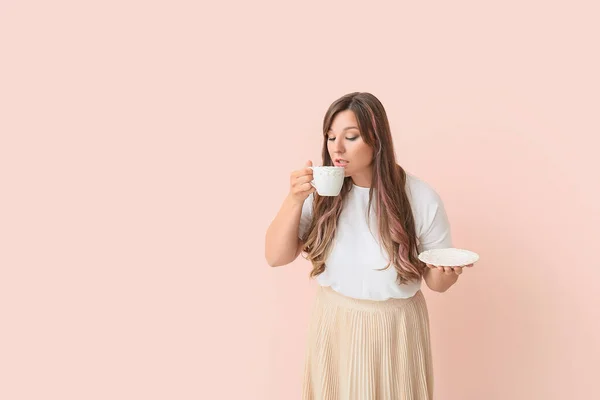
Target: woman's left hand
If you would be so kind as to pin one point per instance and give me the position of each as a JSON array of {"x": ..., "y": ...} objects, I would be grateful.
[{"x": 449, "y": 270}]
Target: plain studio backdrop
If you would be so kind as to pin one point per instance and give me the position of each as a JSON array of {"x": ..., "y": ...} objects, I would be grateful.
[{"x": 146, "y": 146}]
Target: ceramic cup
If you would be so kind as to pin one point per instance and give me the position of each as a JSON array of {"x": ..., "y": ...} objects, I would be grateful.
[{"x": 328, "y": 180}]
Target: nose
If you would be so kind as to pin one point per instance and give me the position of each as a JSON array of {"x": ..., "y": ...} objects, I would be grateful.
[{"x": 337, "y": 147}]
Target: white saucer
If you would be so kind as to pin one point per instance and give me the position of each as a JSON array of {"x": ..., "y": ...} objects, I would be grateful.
[{"x": 449, "y": 257}]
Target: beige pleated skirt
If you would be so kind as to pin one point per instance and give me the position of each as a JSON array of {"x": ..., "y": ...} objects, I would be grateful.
[{"x": 368, "y": 350}]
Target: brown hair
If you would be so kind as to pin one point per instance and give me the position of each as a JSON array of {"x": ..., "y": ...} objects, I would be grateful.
[{"x": 394, "y": 215}]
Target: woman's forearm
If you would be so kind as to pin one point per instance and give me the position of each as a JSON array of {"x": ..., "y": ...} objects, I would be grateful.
[
  {"x": 281, "y": 241},
  {"x": 439, "y": 281}
]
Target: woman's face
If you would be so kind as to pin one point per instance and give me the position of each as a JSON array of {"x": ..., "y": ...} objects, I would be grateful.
[{"x": 347, "y": 148}]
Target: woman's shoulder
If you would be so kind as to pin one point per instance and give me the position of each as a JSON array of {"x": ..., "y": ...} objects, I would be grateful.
[
  {"x": 307, "y": 205},
  {"x": 419, "y": 191}
]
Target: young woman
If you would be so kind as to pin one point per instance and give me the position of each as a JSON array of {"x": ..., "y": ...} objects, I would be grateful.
[{"x": 369, "y": 330}]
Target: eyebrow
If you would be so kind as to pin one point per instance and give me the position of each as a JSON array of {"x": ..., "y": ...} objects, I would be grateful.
[{"x": 345, "y": 129}]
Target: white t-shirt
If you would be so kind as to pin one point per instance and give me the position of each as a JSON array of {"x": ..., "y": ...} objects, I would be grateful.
[{"x": 351, "y": 266}]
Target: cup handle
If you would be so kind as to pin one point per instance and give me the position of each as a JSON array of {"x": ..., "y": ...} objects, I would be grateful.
[{"x": 313, "y": 181}]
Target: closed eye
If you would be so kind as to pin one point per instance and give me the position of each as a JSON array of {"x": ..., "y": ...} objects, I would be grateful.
[{"x": 350, "y": 139}]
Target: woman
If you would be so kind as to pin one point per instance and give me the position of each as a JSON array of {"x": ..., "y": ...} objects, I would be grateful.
[{"x": 369, "y": 330}]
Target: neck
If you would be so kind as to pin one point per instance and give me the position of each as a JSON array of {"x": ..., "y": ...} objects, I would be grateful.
[{"x": 363, "y": 178}]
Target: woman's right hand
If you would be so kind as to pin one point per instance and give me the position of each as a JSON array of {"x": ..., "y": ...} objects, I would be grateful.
[{"x": 300, "y": 187}]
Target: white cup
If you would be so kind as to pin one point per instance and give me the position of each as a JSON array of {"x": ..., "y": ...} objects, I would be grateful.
[{"x": 328, "y": 180}]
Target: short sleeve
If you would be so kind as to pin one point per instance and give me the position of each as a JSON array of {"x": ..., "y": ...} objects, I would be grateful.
[
  {"x": 431, "y": 221},
  {"x": 435, "y": 227},
  {"x": 306, "y": 217}
]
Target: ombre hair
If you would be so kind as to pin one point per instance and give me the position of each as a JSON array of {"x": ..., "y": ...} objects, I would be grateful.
[{"x": 396, "y": 224}]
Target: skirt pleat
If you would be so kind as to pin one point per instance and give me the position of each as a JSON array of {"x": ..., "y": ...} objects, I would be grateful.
[{"x": 368, "y": 350}]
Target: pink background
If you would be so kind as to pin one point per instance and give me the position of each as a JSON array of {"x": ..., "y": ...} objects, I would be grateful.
[{"x": 146, "y": 146}]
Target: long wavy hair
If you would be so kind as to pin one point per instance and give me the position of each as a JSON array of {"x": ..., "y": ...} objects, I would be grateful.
[{"x": 395, "y": 219}]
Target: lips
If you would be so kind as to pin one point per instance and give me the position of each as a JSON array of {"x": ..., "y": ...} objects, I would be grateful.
[{"x": 339, "y": 162}]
